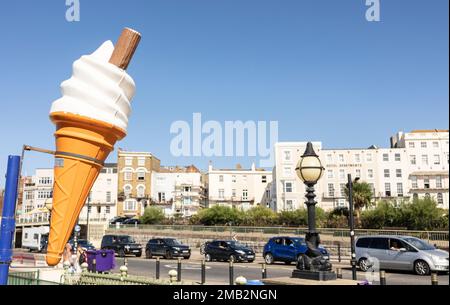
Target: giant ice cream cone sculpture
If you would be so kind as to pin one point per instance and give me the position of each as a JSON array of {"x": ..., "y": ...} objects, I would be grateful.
[{"x": 90, "y": 118}]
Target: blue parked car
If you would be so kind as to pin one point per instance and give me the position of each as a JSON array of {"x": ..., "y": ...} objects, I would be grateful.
[{"x": 287, "y": 249}]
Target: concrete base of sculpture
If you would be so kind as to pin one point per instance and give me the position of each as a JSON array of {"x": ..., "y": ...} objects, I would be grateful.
[{"x": 314, "y": 275}]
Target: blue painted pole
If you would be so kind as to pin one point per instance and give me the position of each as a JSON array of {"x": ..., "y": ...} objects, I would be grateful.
[{"x": 8, "y": 226}]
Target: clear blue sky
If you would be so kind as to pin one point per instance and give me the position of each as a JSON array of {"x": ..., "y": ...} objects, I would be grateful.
[{"x": 317, "y": 67}]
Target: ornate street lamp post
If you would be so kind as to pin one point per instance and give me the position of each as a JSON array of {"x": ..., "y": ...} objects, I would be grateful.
[{"x": 312, "y": 264}]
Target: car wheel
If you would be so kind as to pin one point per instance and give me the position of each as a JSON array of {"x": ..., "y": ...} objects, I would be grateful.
[
  {"x": 268, "y": 258},
  {"x": 139, "y": 254},
  {"x": 168, "y": 255},
  {"x": 121, "y": 253},
  {"x": 148, "y": 254},
  {"x": 232, "y": 258},
  {"x": 421, "y": 268},
  {"x": 208, "y": 257},
  {"x": 364, "y": 264},
  {"x": 287, "y": 262},
  {"x": 187, "y": 257},
  {"x": 251, "y": 261}
]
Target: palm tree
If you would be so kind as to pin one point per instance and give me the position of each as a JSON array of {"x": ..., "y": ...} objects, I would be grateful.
[{"x": 362, "y": 197}]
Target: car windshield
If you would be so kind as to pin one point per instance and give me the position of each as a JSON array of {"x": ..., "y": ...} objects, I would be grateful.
[
  {"x": 236, "y": 244},
  {"x": 173, "y": 242},
  {"x": 298, "y": 241},
  {"x": 127, "y": 239},
  {"x": 85, "y": 243},
  {"x": 419, "y": 244}
]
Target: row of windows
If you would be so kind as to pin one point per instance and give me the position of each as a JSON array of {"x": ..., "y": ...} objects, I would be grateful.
[
  {"x": 233, "y": 194},
  {"x": 439, "y": 197},
  {"x": 44, "y": 194},
  {"x": 128, "y": 175},
  {"x": 244, "y": 178},
  {"x": 342, "y": 187},
  {"x": 108, "y": 197},
  {"x": 45, "y": 180},
  {"x": 140, "y": 191},
  {"x": 426, "y": 182},
  {"x": 425, "y": 159},
  {"x": 99, "y": 209},
  {"x": 424, "y": 144},
  {"x": 129, "y": 161}
]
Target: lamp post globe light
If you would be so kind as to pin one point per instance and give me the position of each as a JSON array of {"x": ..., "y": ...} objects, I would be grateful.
[
  {"x": 49, "y": 204},
  {"x": 312, "y": 264}
]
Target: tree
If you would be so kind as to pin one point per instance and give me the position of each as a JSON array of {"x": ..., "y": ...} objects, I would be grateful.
[
  {"x": 386, "y": 214},
  {"x": 220, "y": 215},
  {"x": 260, "y": 216},
  {"x": 338, "y": 218},
  {"x": 362, "y": 198},
  {"x": 422, "y": 214},
  {"x": 152, "y": 215},
  {"x": 300, "y": 217}
]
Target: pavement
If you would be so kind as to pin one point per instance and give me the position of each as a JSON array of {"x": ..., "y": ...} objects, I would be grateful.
[{"x": 217, "y": 273}]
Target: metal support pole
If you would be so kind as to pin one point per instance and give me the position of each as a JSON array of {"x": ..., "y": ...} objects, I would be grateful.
[
  {"x": 158, "y": 268},
  {"x": 339, "y": 252},
  {"x": 352, "y": 226},
  {"x": 231, "y": 268},
  {"x": 203, "y": 281},
  {"x": 8, "y": 225},
  {"x": 179, "y": 270},
  {"x": 87, "y": 218},
  {"x": 264, "y": 271},
  {"x": 382, "y": 278},
  {"x": 94, "y": 265}
]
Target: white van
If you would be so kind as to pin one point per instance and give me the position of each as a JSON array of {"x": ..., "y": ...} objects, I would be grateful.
[{"x": 35, "y": 239}]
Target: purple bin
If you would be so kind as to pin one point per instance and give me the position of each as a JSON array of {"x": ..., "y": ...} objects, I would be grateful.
[{"x": 105, "y": 260}]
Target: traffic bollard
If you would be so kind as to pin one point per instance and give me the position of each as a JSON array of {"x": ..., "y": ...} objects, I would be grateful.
[
  {"x": 434, "y": 279},
  {"x": 179, "y": 270},
  {"x": 241, "y": 281},
  {"x": 203, "y": 281},
  {"x": 339, "y": 252},
  {"x": 264, "y": 271},
  {"x": 172, "y": 276},
  {"x": 382, "y": 278},
  {"x": 158, "y": 268},
  {"x": 231, "y": 273},
  {"x": 123, "y": 272},
  {"x": 339, "y": 273}
]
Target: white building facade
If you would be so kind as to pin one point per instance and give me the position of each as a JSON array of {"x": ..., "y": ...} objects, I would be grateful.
[
  {"x": 240, "y": 188},
  {"x": 37, "y": 189},
  {"x": 404, "y": 171},
  {"x": 101, "y": 205},
  {"x": 178, "y": 191},
  {"x": 428, "y": 162}
]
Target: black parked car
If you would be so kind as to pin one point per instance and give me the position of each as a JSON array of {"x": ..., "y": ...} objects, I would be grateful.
[
  {"x": 122, "y": 245},
  {"x": 131, "y": 221},
  {"x": 118, "y": 219},
  {"x": 166, "y": 247},
  {"x": 232, "y": 251}
]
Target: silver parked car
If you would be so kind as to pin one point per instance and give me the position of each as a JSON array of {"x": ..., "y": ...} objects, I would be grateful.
[{"x": 400, "y": 253}]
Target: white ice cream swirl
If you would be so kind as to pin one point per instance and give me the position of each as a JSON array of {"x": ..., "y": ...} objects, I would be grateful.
[{"x": 97, "y": 89}]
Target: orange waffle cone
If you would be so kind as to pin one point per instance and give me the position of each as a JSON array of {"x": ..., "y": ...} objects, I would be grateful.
[{"x": 82, "y": 145}]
